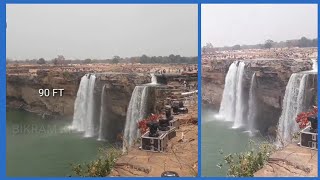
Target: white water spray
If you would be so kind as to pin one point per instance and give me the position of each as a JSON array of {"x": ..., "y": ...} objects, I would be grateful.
[
  {"x": 314, "y": 65},
  {"x": 252, "y": 105},
  {"x": 84, "y": 106},
  {"x": 239, "y": 101},
  {"x": 102, "y": 115},
  {"x": 231, "y": 108},
  {"x": 136, "y": 112},
  {"x": 90, "y": 125},
  {"x": 227, "y": 107},
  {"x": 293, "y": 103},
  {"x": 153, "y": 79}
]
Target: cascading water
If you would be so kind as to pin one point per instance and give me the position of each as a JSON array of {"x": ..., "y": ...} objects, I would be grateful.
[
  {"x": 84, "y": 110},
  {"x": 90, "y": 126},
  {"x": 80, "y": 105},
  {"x": 293, "y": 103},
  {"x": 314, "y": 65},
  {"x": 101, "y": 136},
  {"x": 232, "y": 108},
  {"x": 238, "y": 121},
  {"x": 153, "y": 79},
  {"x": 252, "y": 105},
  {"x": 136, "y": 112},
  {"x": 84, "y": 106},
  {"x": 227, "y": 107}
]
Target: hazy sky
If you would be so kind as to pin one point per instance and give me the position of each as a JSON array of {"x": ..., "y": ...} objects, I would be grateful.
[
  {"x": 101, "y": 31},
  {"x": 227, "y": 25}
]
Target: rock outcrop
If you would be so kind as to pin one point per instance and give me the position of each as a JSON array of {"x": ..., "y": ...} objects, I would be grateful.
[
  {"x": 23, "y": 91},
  {"x": 291, "y": 161}
]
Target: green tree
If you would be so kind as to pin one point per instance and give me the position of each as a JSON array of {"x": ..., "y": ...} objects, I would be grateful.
[
  {"x": 115, "y": 59},
  {"x": 41, "y": 61},
  {"x": 144, "y": 59},
  {"x": 268, "y": 44},
  {"x": 87, "y": 61},
  {"x": 236, "y": 47}
]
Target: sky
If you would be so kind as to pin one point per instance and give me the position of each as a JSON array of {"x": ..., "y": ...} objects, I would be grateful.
[
  {"x": 232, "y": 24},
  {"x": 101, "y": 31}
]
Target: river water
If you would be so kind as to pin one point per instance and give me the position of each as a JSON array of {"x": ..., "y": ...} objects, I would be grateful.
[
  {"x": 37, "y": 147},
  {"x": 219, "y": 140}
]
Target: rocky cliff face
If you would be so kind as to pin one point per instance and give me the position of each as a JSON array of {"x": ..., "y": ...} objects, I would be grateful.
[
  {"x": 23, "y": 91},
  {"x": 271, "y": 79}
]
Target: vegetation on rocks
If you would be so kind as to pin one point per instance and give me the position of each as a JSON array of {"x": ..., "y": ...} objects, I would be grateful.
[
  {"x": 245, "y": 164},
  {"x": 100, "y": 167}
]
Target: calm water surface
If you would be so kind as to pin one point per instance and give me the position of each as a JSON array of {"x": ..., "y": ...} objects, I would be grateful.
[
  {"x": 37, "y": 147},
  {"x": 217, "y": 137}
]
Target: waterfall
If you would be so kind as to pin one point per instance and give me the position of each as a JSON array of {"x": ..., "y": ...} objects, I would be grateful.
[
  {"x": 238, "y": 121},
  {"x": 314, "y": 65},
  {"x": 227, "y": 107},
  {"x": 136, "y": 111},
  {"x": 252, "y": 105},
  {"x": 293, "y": 103},
  {"x": 84, "y": 106},
  {"x": 80, "y": 105},
  {"x": 102, "y": 124},
  {"x": 90, "y": 125},
  {"x": 231, "y": 108},
  {"x": 153, "y": 79}
]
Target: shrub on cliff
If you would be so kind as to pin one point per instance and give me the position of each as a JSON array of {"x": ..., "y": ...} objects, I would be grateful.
[
  {"x": 100, "y": 167},
  {"x": 66, "y": 75},
  {"x": 245, "y": 164}
]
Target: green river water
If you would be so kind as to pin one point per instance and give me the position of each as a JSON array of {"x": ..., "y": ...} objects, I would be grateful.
[
  {"x": 37, "y": 147},
  {"x": 217, "y": 137}
]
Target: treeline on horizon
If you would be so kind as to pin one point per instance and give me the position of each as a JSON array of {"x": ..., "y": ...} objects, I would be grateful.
[
  {"x": 144, "y": 59},
  {"x": 301, "y": 43}
]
